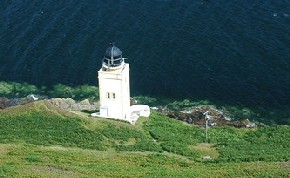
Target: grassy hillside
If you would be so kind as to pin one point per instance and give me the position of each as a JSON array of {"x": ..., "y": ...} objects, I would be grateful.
[{"x": 38, "y": 140}]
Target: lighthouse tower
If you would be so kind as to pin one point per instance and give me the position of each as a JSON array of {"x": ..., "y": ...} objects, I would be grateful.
[{"x": 114, "y": 87}]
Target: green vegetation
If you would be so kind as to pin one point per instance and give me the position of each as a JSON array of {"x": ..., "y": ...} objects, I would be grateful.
[
  {"x": 14, "y": 90},
  {"x": 184, "y": 104},
  {"x": 24, "y": 160},
  {"x": 41, "y": 125},
  {"x": 128, "y": 139},
  {"x": 266, "y": 116},
  {"x": 146, "y": 100},
  {"x": 261, "y": 115},
  {"x": 78, "y": 92},
  {"x": 38, "y": 140},
  {"x": 264, "y": 144},
  {"x": 174, "y": 136}
]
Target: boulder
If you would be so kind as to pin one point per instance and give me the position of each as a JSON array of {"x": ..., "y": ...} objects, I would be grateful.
[
  {"x": 64, "y": 104},
  {"x": 86, "y": 105},
  {"x": 68, "y": 104},
  {"x": 3, "y": 100},
  {"x": 17, "y": 101}
]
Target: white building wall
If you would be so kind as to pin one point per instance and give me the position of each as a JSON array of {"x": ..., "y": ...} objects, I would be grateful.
[{"x": 114, "y": 90}]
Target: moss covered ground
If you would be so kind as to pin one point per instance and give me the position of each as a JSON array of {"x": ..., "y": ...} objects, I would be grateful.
[{"x": 38, "y": 140}]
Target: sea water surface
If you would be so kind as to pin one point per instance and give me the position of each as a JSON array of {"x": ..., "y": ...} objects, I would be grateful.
[{"x": 234, "y": 51}]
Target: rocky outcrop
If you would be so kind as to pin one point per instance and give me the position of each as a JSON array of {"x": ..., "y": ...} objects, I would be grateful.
[
  {"x": 2, "y": 102},
  {"x": 68, "y": 104},
  {"x": 197, "y": 116},
  {"x": 5, "y": 102},
  {"x": 65, "y": 104}
]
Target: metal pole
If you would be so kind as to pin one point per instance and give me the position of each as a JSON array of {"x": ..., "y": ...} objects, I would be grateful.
[
  {"x": 206, "y": 127},
  {"x": 206, "y": 117}
]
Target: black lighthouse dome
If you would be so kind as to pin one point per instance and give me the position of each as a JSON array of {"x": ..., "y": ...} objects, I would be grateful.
[{"x": 113, "y": 57}]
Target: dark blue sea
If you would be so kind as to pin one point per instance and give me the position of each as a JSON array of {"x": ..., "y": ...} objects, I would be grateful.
[{"x": 236, "y": 52}]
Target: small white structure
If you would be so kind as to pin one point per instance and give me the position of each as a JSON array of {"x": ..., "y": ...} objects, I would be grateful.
[
  {"x": 141, "y": 110},
  {"x": 33, "y": 97},
  {"x": 114, "y": 89}
]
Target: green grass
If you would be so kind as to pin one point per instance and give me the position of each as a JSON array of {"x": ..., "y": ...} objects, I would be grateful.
[
  {"x": 264, "y": 144},
  {"x": 174, "y": 136},
  {"x": 38, "y": 140},
  {"x": 41, "y": 127},
  {"x": 205, "y": 149},
  {"x": 22, "y": 160}
]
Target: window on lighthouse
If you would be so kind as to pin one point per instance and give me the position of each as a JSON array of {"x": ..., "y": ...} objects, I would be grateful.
[{"x": 111, "y": 95}]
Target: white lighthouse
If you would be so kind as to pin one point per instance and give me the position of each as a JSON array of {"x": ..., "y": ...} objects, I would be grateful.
[
  {"x": 114, "y": 89},
  {"x": 114, "y": 86}
]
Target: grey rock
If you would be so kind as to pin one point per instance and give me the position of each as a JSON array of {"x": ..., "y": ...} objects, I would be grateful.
[
  {"x": 3, "y": 100},
  {"x": 68, "y": 104}
]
